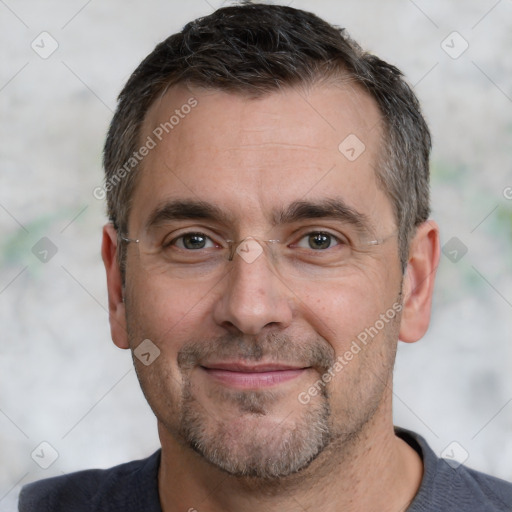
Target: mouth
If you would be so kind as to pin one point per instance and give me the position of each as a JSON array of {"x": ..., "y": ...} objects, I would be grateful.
[{"x": 247, "y": 376}]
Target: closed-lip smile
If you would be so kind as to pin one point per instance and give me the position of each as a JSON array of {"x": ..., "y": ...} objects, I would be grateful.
[{"x": 252, "y": 376}]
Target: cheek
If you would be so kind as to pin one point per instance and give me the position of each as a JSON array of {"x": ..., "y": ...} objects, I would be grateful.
[
  {"x": 348, "y": 317},
  {"x": 164, "y": 311},
  {"x": 339, "y": 312},
  {"x": 169, "y": 316}
]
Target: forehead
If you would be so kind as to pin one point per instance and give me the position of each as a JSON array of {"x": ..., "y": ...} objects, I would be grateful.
[{"x": 248, "y": 155}]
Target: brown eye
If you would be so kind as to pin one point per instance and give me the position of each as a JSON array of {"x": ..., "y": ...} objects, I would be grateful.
[
  {"x": 318, "y": 240},
  {"x": 192, "y": 241}
]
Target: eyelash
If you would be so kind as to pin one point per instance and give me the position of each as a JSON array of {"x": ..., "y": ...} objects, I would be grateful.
[{"x": 338, "y": 239}]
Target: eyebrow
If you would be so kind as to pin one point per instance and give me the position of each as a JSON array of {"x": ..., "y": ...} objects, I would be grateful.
[
  {"x": 186, "y": 210},
  {"x": 330, "y": 208}
]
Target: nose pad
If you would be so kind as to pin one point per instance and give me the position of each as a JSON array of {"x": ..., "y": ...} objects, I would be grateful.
[{"x": 249, "y": 249}]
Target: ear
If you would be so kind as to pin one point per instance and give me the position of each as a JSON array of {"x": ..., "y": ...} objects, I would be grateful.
[
  {"x": 116, "y": 307},
  {"x": 419, "y": 282}
]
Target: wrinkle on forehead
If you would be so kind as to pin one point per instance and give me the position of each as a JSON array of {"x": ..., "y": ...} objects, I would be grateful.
[
  {"x": 283, "y": 145},
  {"x": 247, "y": 155}
]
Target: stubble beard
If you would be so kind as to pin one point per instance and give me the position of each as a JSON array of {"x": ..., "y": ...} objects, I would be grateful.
[
  {"x": 249, "y": 447},
  {"x": 246, "y": 447}
]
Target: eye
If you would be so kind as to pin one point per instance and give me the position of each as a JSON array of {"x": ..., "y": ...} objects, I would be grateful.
[
  {"x": 319, "y": 240},
  {"x": 191, "y": 241}
]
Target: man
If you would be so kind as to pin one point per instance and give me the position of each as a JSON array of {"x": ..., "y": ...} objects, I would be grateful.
[{"x": 269, "y": 244}]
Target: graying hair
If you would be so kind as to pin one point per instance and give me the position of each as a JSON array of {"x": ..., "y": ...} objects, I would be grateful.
[{"x": 255, "y": 49}]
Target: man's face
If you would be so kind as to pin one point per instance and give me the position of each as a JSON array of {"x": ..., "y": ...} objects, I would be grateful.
[{"x": 243, "y": 343}]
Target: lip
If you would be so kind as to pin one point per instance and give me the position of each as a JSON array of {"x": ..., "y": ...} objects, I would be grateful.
[
  {"x": 250, "y": 368},
  {"x": 244, "y": 376}
]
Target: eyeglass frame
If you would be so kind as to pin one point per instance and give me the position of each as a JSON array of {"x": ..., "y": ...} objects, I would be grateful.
[{"x": 233, "y": 244}]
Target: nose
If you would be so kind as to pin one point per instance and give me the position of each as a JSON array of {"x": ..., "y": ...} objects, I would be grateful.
[{"x": 252, "y": 295}]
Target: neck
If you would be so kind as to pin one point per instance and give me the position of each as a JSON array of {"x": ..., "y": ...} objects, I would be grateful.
[{"x": 373, "y": 471}]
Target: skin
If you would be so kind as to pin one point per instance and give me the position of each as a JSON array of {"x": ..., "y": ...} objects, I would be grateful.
[{"x": 248, "y": 157}]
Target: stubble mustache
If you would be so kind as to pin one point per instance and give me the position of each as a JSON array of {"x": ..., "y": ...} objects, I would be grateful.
[{"x": 279, "y": 348}]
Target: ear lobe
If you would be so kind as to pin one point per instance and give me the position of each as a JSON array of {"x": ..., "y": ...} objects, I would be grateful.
[
  {"x": 419, "y": 282},
  {"x": 116, "y": 306}
]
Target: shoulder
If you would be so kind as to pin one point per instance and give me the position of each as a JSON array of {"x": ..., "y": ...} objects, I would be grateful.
[
  {"x": 129, "y": 486},
  {"x": 471, "y": 490},
  {"x": 450, "y": 487},
  {"x": 495, "y": 490}
]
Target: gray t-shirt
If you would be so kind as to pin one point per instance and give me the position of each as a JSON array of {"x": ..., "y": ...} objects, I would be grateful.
[{"x": 133, "y": 487}]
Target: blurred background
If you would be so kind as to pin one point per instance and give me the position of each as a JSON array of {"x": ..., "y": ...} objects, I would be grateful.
[{"x": 68, "y": 398}]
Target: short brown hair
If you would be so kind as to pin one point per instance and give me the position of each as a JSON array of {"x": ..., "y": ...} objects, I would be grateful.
[{"x": 256, "y": 49}]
